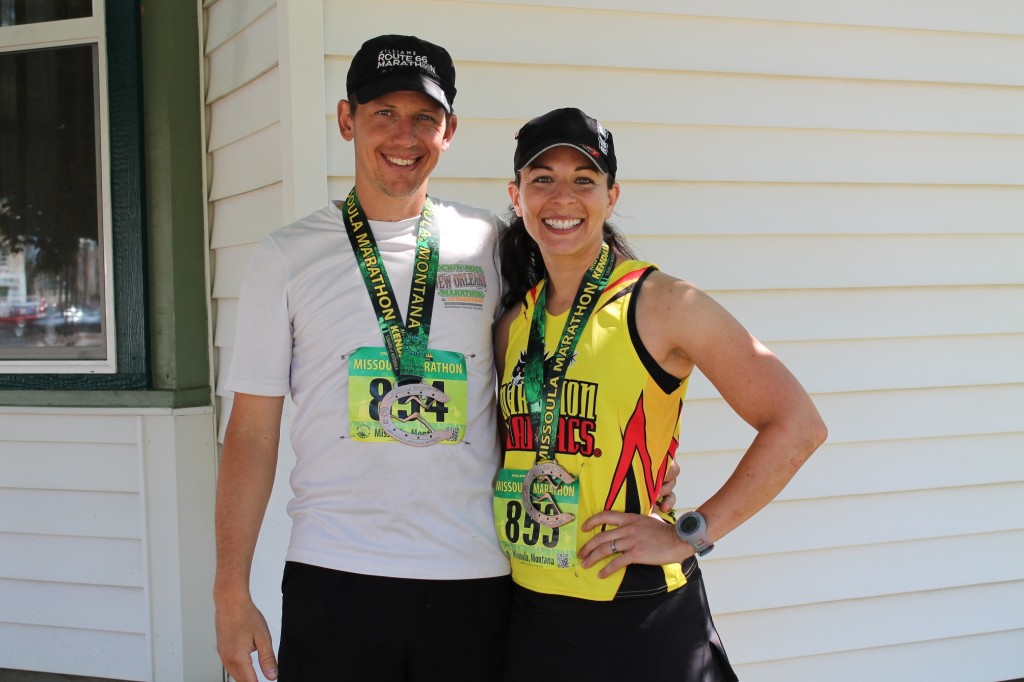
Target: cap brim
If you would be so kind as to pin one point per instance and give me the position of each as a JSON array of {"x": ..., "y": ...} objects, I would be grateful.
[
  {"x": 599, "y": 164},
  {"x": 395, "y": 83}
]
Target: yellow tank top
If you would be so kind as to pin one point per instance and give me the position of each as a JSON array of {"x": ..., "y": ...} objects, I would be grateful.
[{"x": 617, "y": 433}]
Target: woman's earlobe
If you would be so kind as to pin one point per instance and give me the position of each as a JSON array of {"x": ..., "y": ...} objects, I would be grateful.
[{"x": 513, "y": 195}]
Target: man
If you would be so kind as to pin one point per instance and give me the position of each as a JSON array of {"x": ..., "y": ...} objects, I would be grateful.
[
  {"x": 393, "y": 570},
  {"x": 375, "y": 315}
]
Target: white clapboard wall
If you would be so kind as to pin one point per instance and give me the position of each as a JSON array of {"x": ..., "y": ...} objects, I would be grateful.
[
  {"x": 847, "y": 177},
  {"x": 105, "y": 542}
]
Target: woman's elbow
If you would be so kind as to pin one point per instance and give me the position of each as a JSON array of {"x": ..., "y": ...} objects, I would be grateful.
[{"x": 815, "y": 432}]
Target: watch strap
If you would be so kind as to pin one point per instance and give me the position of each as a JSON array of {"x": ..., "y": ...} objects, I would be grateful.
[{"x": 696, "y": 533}]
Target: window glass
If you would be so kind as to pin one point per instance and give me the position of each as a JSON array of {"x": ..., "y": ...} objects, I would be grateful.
[
  {"x": 51, "y": 270},
  {"x": 17, "y": 12}
]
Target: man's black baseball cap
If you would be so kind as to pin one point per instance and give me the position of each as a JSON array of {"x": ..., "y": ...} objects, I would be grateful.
[
  {"x": 568, "y": 128},
  {"x": 389, "y": 63}
]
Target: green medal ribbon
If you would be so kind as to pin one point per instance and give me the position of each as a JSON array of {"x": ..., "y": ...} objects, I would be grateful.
[
  {"x": 543, "y": 386},
  {"x": 406, "y": 343}
]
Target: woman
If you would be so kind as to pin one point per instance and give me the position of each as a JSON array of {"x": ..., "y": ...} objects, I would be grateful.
[{"x": 594, "y": 354}]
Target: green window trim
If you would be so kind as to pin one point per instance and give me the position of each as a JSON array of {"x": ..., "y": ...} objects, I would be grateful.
[{"x": 128, "y": 211}]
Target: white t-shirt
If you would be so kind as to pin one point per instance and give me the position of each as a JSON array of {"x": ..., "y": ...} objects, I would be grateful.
[{"x": 385, "y": 509}]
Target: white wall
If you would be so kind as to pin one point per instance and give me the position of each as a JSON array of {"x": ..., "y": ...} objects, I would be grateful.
[
  {"x": 264, "y": 172},
  {"x": 105, "y": 542},
  {"x": 846, "y": 178}
]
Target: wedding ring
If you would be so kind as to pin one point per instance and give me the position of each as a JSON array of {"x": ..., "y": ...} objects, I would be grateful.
[{"x": 614, "y": 551}]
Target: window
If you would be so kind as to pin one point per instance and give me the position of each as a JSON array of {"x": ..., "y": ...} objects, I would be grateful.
[{"x": 71, "y": 259}]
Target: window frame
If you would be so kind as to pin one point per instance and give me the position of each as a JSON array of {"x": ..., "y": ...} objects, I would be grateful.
[{"x": 115, "y": 28}]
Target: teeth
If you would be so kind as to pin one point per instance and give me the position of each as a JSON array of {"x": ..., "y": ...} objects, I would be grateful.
[
  {"x": 563, "y": 224},
  {"x": 401, "y": 162}
]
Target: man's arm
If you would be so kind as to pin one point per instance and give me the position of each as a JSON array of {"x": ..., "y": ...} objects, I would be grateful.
[{"x": 244, "y": 482}]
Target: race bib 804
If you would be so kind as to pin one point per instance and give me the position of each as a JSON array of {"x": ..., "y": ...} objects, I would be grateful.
[{"x": 370, "y": 378}]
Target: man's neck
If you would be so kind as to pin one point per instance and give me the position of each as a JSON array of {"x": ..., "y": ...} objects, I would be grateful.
[{"x": 385, "y": 208}]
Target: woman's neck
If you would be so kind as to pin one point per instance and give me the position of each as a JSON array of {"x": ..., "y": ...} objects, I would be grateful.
[{"x": 563, "y": 280}]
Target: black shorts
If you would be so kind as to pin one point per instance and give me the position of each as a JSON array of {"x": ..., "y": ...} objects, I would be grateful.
[
  {"x": 345, "y": 626},
  {"x": 669, "y": 636}
]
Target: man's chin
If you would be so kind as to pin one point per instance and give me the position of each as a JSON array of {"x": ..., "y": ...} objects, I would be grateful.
[{"x": 402, "y": 190}]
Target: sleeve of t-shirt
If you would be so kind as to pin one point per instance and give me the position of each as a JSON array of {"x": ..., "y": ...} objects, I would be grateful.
[
  {"x": 262, "y": 355},
  {"x": 499, "y": 228}
]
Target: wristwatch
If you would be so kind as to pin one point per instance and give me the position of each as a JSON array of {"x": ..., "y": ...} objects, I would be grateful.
[{"x": 693, "y": 530}]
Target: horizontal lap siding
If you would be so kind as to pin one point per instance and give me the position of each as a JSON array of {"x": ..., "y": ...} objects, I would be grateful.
[
  {"x": 245, "y": 147},
  {"x": 852, "y": 574},
  {"x": 954, "y": 658},
  {"x": 878, "y": 312},
  {"x": 98, "y": 560},
  {"x": 224, "y": 19},
  {"x": 845, "y": 178},
  {"x": 869, "y": 416},
  {"x": 848, "y": 261},
  {"x": 855, "y": 196},
  {"x": 117, "y": 655},
  {"x": 72, "y": 466},
  {"x": 882, "y": 621},
  {"x": 248, "y": 146},
  {"x": 985, "y": 16},
  {"x": 248, "y": 164},
  {"x": 72, "y": 569},
  {"x": 244, "y": 218},
  {"x": 772, "y": 208},
  {"x": 95, "y": 607},
  {"x": 967, "y": 360},
  {"x": 905, "y": 516},
  {"x": 248, "y": 50},
  {"x": 849, "y": 469},
  {"x": 536, "y": 35},
  {"x": 736, "y": 154}
]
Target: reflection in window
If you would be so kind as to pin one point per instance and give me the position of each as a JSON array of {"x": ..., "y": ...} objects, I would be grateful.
[
  {"x": 16, "y": 12},
  {"x": 51, "y": 283}
]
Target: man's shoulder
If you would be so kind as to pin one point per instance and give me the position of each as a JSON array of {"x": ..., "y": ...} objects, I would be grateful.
[
  {"x": 457, "y": 210},
  {"x": 304, "y": 241},
  {"x": 327, "y": 219},
  {"x": 315, "y": 227}
]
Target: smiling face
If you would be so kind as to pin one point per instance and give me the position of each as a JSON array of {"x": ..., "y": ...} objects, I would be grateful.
[
  {"x": 564, "y": 202},
  {"x": 398, "y": 141}
]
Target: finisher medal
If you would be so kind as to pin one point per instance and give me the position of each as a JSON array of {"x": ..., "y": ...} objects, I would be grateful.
[
  {"x": 555, "y": 476},
  {"x": 543, "y": 387},
  {"x": 417, "y": 392},
  {"x": 406, "y": 344}
]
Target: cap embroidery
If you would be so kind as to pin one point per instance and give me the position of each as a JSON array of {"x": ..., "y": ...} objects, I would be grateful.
[
  {"x": 391, "y": 58},
  {"x": 602, "y": 138}
]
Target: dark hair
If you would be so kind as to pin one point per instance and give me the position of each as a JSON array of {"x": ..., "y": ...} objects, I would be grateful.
[{"x": 522, "y": 265}]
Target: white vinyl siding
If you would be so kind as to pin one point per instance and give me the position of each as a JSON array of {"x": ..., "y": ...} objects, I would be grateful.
[
  {"x": 846, "y": 178},
  {"x": 243, "y": 101},
  {"x": 259, "y": 170},
  {"x": 71, "y": 506},
  {"x": 66, "y": 574},
  {"x": 101, "y": 511}
]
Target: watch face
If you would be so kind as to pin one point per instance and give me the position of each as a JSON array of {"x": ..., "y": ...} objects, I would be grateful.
[{"x": 689, "y": 525}]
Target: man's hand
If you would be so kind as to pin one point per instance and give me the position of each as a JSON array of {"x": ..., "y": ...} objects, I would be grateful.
[
  {"x": 667, "y": 501},
  {"x": 248, "y": 463},
  {"x": 241, "y": 629}
]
